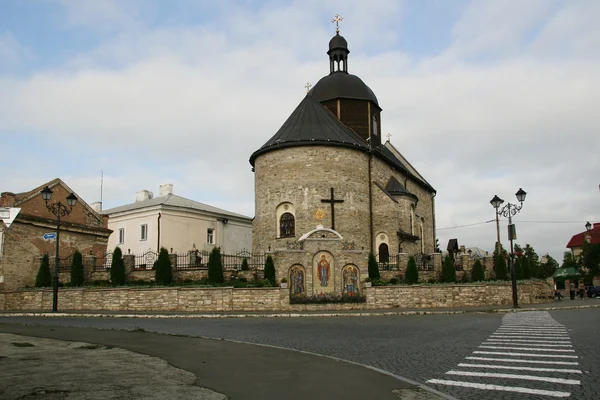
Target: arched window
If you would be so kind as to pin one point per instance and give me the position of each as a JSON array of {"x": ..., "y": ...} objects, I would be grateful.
[
  {"x": 287, "y": 225},
  {"x": 384, "y": 253}
]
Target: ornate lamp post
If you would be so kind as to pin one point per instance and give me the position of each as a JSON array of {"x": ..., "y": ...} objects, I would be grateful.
[
  {"x": 588, "y": 226},
  {"x": 509, "y": 210},
  {"x": 60, "y": 210}
]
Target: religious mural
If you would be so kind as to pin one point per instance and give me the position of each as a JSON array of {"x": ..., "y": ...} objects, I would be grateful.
[
  {"x": 323, "y": 269},
  {"x": 350, "y": 279},
  {"x": 297, "y": 280}
]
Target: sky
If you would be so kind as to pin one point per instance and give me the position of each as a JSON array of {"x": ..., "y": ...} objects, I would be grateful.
[{"x": 482, "y": 97}]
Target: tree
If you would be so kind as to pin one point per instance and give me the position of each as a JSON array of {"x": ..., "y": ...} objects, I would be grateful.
[
  {"x": 77, "y": 269},
  {"x": 500, "y": 270},
  {"x": 448, "y": 270},
  {"x": 478, "y": 273},
  {"x": 526, "y": 268},
  {"x": 412, "y": 273},
  {"x": 533, "y": 262},
  {"x": 519, "y": 268},
  {"x": 373, "y": 267},
  {"x": 215, "y": 267},
  {"x": 548, "y": 268},
  {"x": 43, "y": 278},
  {"x": 162, "y": 273},
  {"x": 117, "y": 268},
  {"x": 270, "y": 270},
  {"x": 568, "y": 260},
  {"x": 590, "y": 259}
]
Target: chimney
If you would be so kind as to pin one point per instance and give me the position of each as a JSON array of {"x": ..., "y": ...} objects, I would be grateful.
[
  {"x": 143, "y": 195},
  {"x": 7, "y": 199},
  {"x": 165, "y": 189},
  {"x": 97, "y": 206}
]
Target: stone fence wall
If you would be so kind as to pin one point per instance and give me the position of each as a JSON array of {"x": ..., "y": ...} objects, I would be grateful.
[{"x": 270, "y": 299}]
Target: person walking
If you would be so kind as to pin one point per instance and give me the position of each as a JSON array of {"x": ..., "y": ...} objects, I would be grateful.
[
  {"x": 572, "y": 290},
  {"x": 581, "y": 290}
]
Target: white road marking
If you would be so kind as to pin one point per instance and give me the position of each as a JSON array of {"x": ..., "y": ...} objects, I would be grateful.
[
  {"x": 501, "y": 353},
  {"x": 527, "y": 348},
  {"x": 520, "y": 368},
  {"x": 515, "y": 389},
  {"x": 513, "y": 376},
  {"x": 512, "y": 342},
  {"x": 530, "y": 334},
  {"x": 528, "y": 340},
  {"x": 516, "y": 360},
  {"x": 517, "y": 336}
]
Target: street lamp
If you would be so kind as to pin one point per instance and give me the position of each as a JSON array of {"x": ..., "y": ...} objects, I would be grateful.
[
  {"x": 60, "y": 210},
  {"x": 509, "y": 210},
  {"x": 588, "y": 226}
]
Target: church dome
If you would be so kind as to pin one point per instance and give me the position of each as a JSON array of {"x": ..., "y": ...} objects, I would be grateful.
[
  {"x": 338, "y": 42},
  {"x": 343, "y": 85}
]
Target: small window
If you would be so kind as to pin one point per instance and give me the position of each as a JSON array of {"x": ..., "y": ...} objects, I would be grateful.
[
  {"x": 210, "y": 236},
  {"x": 144, "y": 232},
  {"x": 287, "y": 225},
  {"x": 121, "y": 235}
]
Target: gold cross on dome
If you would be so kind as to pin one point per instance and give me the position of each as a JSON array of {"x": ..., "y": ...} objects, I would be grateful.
[
  {"x": 307, "y": 87},
  {"x": 389, "y": 135},
  {"x": 337, "y": 19}
]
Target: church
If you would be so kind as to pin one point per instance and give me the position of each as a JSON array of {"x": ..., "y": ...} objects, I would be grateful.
[{"x": 329, "y": 191}]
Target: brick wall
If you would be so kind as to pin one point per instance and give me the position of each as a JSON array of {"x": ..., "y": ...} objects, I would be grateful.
[{"x": 271, "y": 299}]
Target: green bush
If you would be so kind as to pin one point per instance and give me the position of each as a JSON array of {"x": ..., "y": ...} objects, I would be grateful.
[
  {"x": 373, "y": 267},
  {"x": 162, "y": 272},
  {"x": 526, "y": 268},
  {"x": 378, "y": 282},
  {"x": 270, "y": 270},
  {"x": 412, "y": 273},
  {"x": 518, "y": 268},
  {"x": 245, "y": 266},
  {"x": 77, "y": 269},
  {"x": 500, "y": 269},
  {"x": 478, "y": 273},
  {"x": 215, "y": 267},
  {"x": 394, "y": 281},
  {"x": 117, "y": 268},
  {"x": 44, "y": 278},
  {"x": 100, "y": 282},
  {"x": 448, "y": 270},
  {"x": 325, "y": 298}
]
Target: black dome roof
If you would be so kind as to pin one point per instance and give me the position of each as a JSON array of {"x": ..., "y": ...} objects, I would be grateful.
[
  {"x": 341, "y": 84},
  {"x": 338, "y": 42}
]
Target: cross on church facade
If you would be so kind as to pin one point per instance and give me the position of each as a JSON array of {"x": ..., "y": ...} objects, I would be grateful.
[
  {"x": 332, "y": 200},
  {"x": 336, "y": 20}
]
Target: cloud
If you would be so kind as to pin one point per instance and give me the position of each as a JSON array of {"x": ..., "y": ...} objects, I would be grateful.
[{"x": 11, "y": 51}]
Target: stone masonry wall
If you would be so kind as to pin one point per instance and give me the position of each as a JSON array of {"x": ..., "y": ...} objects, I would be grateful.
[{"x": 270, "y": 299}]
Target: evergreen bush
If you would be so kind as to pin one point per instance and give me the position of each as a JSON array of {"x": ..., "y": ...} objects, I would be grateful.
[
  {"x": 526, "y": 268},
  {"x": 519, "y": 268},
  {"x": 215, "y": 266},
  {"x": 373, "y": 267},
  {"x": 478, "y": 273},
  {"x": 245, "y": 266},
  {"x": 162, "y": 272},
  {"x": 117, "y": 268},
  {"x": 448, "y": 270},
  {"x": 43, "y": 278},
  {"x": 412, "y": 273},
  {"x": 270, "y": 270},
  {"x": 500, "y": 269},
  {"x": 77, "y": 269}
]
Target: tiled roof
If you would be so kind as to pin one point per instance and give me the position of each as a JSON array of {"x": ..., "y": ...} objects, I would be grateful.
[{"x": 579, "y": 239}]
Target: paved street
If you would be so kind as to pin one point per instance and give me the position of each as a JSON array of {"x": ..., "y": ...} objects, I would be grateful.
[{"x": 438, "y": 350}]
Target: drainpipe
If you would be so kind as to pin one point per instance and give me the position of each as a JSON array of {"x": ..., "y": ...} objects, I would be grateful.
[
  {"x": 370, "y": 202},
  {"x": 158, "y": 235}
]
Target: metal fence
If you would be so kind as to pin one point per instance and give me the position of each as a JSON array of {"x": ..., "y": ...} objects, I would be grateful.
[
  {"x": 197, "y": 260},
  {"x": 424, "y": 262},
  {"x": 103, "y": 262},
  {"x": 145, "y": 261},
  {"x": 390, "y": 265}
]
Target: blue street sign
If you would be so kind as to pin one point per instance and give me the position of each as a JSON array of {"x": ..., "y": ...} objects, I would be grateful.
[{"x": 49, "y": 236}]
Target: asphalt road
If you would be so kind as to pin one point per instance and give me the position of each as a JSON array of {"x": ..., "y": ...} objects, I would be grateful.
[{"x": 429, "y": 349}]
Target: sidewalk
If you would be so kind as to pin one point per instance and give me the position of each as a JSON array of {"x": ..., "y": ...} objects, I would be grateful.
[{"x": 555, "y": 305}]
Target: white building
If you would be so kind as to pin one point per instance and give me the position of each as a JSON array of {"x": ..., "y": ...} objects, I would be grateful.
[{"x": 175, "y": 222}]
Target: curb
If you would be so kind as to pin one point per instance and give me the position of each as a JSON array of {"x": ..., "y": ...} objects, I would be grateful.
[{"x": 293, "y": 315}]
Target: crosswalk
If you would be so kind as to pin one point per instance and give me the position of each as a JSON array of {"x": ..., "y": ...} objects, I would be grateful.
[{"x": 530, "y": 353}]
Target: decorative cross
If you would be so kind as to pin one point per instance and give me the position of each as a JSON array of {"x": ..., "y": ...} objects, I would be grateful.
[
  {"x": 332, "y": 202},
  {"x": 389, "y": 135},
  {"x": 337, "y": 21},
  {"x": 307, "y": 87}
]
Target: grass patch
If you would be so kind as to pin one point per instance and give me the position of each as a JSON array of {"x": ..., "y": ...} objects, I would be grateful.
[{"x": 22, "y": 344}]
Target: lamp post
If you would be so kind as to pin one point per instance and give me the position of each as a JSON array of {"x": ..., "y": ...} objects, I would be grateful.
[
  {"x": 60, "y": 210},
  {"x": 509, "y": 210},
  {"x": 588, "y": 226}
]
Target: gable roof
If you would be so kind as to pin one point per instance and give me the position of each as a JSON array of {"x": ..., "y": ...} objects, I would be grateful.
[
  {"x": 174, "y": 201},
  {"x": 390, "y": 147},
  {"x": 312, "y": 124},
  {"x": 579, "y": 239}
]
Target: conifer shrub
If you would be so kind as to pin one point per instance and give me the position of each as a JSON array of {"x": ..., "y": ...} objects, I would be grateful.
[
  {"x": 373, "y": 267},
  {"x": 117, "y": 268},
  {"x": 500, "y": 269},
  {"x": 412, "y": 273},
  {"x": 448, "y": 270},
  {"x": 44, "y": 278},
  {"x": 77, "y": 269},
  {"x": 526, "y": 268},
  {"x": 270, "y": 270},
  {"x": 519, "y": 268},
  {"x": 478, "y": 273},
  {"x": 162, "y": 272},
  {"x": 215, "y": 267},
  {"x": 245, "y": 266}
]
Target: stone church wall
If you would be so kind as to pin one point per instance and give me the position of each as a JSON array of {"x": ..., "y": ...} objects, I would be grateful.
[
  {"x": 303, "y": 176},
  {"x": 228, "y": 299}
]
